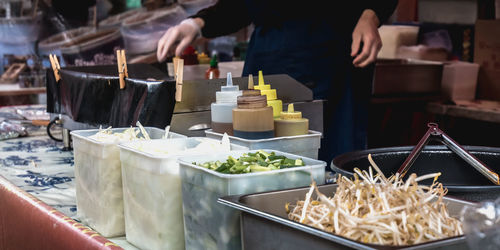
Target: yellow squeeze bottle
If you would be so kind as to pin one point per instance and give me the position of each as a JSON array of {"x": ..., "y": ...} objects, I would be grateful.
[
  {"x": 272, "y": 99},
  {"x": 291, "y": 123}
]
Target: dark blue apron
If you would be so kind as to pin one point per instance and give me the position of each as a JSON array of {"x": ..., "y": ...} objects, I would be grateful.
[{"x": 315, "y": 55}]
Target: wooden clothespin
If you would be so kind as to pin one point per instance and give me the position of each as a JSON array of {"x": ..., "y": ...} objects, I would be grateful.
[
  {"x": 54, "y": 62},
  {"x": 178, "y": 75},
  {"x": 122, "y": 67},
  {"x": 124, "y": 61}
]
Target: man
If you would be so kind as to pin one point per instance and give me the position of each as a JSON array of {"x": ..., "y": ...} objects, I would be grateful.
[{"x": 329, "y": 49}]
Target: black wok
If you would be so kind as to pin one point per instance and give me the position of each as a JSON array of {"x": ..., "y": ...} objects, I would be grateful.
[{"x": 461, "y": 179}]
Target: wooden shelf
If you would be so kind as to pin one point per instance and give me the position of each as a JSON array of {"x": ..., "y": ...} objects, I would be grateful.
[{"x": 22, "y": 91}]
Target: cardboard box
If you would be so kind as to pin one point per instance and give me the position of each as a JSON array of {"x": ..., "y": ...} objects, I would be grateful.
[
  {"x": 422, "y": 52},
  {"x": 497, "y": 8},
  {"x": 395, "y": 36},
  {"x": 459, "y": 81},
  {"x": 487, "y": 55},
  {"x": 406, "y": 77}
]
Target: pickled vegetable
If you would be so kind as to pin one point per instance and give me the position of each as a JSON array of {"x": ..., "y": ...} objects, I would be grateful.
[{"x": 252, "y": 162}]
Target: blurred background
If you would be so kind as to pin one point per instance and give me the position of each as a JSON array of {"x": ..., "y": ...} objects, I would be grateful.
[{"x": 440, "y": 60}]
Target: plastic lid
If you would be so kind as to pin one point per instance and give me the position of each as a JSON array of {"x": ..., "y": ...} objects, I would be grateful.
[
  {"x": 262, "y": 85},
  {"x": 291, "y": 114},
  {"x": 228, "y": 93},
  {"x": 250, "y": 81}
]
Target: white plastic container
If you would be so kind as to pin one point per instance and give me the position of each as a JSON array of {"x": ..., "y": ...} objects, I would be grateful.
[
  {"x": 222, "y": 109},
  {"x": 98, "y": 180},
  {"x": 303, "y": 145},
  {"x": 152, "y": 190},
  {"x": 209, "y": 225}
]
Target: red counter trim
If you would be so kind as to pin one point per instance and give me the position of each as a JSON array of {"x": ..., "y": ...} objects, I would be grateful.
[{"x": 28, "y": 223}]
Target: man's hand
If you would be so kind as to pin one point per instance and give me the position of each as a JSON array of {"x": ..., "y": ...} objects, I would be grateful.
[
  {"x": 366, "y": 32},
  {"x": 178, "y": 38}
]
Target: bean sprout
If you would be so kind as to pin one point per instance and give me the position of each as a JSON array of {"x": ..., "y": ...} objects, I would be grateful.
[{"x": 379, "y": 210}]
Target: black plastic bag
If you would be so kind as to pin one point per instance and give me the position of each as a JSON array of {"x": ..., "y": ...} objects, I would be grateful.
[{"x": 92, "y": 95}]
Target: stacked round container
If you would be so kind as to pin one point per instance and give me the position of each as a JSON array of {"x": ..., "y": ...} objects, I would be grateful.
[
  {"x": 54, "y": 43},
  {"x": 210, "y": 225},
  {"x": 98, "y": 180},
  {"x": 152, "y": 189},
  {"x": 141, "y": 32},
  {"x": 86, "y": 47},
  {"x": 116, "y": 20},
  {"x": 193, "y": 6}
]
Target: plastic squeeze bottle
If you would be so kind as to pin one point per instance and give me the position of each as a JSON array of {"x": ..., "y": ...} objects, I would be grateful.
[
  {"x": 291, "y": 123},
  {"x": 272, "y": 99},
  {"x": 253, "y": 118},
  {"x": 203, "y": 58},
  {"x": 213, "y": 72},
  {"x": 222, "y": 108}
]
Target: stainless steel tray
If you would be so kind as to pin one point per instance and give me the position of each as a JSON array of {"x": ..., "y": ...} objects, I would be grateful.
[{"x": 265, "y": 224}]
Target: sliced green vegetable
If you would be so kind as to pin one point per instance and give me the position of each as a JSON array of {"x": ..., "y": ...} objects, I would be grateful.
[
  {"x": 276, "y": 157},
  {"x": 299, "y": 162},
  {"x": 253, "y": 162},
  {"x": 257, "y": 168}
]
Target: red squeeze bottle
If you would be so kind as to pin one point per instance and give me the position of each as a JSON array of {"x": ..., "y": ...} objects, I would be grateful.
[{"x": 213, "y": 71}]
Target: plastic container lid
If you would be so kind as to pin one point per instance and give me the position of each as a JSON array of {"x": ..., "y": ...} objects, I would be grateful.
[
  {"x": 250, "y": 82},
  {"x": 228, "y": 93},
  {"x": 291, "y": 114}
]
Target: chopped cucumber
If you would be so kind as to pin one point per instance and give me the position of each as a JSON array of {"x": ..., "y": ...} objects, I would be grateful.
[{"x": 253, "y": 162}]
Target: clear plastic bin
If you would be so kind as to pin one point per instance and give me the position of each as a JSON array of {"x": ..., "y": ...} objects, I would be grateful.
[
  {"x": 98, "y": 180},
  {"x": 141, "y": 32},
  {"x": 152, "y": 191},
  {"x": 303, "y": 145},
  {"x": 210, "y": 225}
]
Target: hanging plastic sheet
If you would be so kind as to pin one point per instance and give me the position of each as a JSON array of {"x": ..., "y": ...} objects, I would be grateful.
[{"x": 92, "y": 95}]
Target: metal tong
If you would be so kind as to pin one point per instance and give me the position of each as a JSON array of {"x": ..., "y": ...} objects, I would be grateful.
[{"x": 434, "y": 133}]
